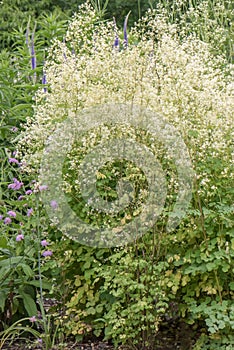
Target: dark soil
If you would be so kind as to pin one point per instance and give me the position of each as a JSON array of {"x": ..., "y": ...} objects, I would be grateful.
[{"x": 176, "y": 336}]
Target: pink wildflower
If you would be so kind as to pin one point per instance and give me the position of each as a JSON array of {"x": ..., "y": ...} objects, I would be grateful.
[
  {"x": 16, "y": 185},
  {"x": 11, "y": 213},
  {"x": 19, "y": 237},
  {"x": 29, "y": 212},
  {"x": 13, "y": 160},
  {"x": 28, "y": 192},
  {"x": 32, "y": 319},
  {"x": 44, "y": 243},
  {"x": 54, "y": 204},
  {"x": 7, "y": 220},
  {"x": 47, "y": 253}
]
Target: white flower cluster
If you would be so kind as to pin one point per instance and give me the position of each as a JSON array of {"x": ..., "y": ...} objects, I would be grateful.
[{"x": 176, "y": 78}]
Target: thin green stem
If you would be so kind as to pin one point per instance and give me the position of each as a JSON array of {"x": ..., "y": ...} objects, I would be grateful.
[
  {"x": 139, "y": 8},
  {"x": 39, "y": 250},
  {"x": 218, "y": 286},
  {"x": 45, "y": 321}
]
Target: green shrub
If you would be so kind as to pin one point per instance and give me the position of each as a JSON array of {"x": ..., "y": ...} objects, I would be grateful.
[
  {"x": 211, "y": 20},
  {"x": 19, "y": 259},
  {"x": 22, "y": 242},
  {"x": 16, "y": 14},
  {"x": 126, "y": 292}
]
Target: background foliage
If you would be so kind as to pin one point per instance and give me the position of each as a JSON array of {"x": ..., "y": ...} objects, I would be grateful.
[{"x": 206, "y": 18}]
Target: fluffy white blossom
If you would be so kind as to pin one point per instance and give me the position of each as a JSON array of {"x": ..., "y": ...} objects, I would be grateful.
[{"x": 175, "y": 77}]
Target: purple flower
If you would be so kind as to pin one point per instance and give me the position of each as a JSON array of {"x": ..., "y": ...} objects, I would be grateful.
[
  {"x": 29, "y": 212},
  {"x": 33, "y": 56},
  {"x": 22, "y": 164},
  {"x": 64, "y": 54},
  {"x": 125, "y": 31},
  {"x": 28, "y": 192},
  {"x": 116, "y": 42},
  {"x": 19, "y": 237},
  {"x": 47, "y": 253},
  {"x": 13, "y": 160},
  {"x": 7, "y": 220},
  {"x": 20, "y": 198},
  {"x": 11, "y": 213},
  {"x": 54, "y": 204},
  {"x": 44, "y": 243},
  {"x": 1, "y": 217},
  {"x": 32, "y": 319},
  {"x": 39, "y": 340},
  {"x": 14, "y": 129},
  {"x": 44, "y": 78},
  {"x": 43, "y": 187},
  {"x": 16, "y": 185},
  {"x": 44, "y": 81}
]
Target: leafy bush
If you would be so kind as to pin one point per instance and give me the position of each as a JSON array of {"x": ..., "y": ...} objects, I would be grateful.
[
  {"x": 125, "y": 293},
  {"x": 211, "y": 20},
  {"x": 16, "y": 14},
  {"x": 20, "y": 243},
  {"x": 18, "y": 80},
  {"x": 176, "y": 77},
  {"x": 132, "y": 279}
]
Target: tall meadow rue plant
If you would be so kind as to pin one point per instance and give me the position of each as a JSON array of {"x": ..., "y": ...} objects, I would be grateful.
[
  {"x": 179, "y": 79},
  {"x": 211, "y": 20}
]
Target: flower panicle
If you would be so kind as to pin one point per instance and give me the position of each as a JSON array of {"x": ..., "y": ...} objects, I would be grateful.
[
  {"x": 116, "y": 41},
  {"x": 33, "y": 55},
  {"x": 44, "y": 81},
  {"x": 30, "y": 45},
  {"x": 64, "y": 53}
]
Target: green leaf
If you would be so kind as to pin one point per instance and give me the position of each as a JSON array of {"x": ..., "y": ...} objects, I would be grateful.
[
  {"x": 15, "y": 305},
  {"x": 4, "y": 272},
  {"x": 5, "y": 252},
  {"x": 12, "y": 261},
  {"x": 3, "y": 243},
  {"x": 91, "y": 311},
  {"x": 29, "y": 303},
  {"x": 21, "y": 106},
  {"x": 45, "y": 285},
  {"x": 27, "y": 270},
  {"x": 3, "y": 297},
  {"x": 225, "y": 268}
]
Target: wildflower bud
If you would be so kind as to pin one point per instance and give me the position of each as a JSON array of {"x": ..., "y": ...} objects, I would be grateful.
[
  {"x": 11, "y": 213},
  {"x": 19, "y": 237},
  {"x": 47, "y": 253},
  {"x": 7, "y": 220}
]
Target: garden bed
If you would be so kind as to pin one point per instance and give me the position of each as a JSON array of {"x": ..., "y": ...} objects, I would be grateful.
[
  {"x": 177, "y": 336},
  {"x": 116, "y": 189}
]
